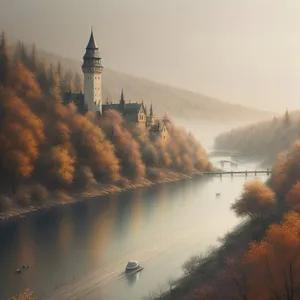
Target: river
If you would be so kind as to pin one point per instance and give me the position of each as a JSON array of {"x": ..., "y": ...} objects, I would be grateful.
[{"x": 80, "y": 251}]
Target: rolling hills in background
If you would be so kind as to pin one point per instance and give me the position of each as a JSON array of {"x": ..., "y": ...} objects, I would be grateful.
[{"x": 178, "y": 103}]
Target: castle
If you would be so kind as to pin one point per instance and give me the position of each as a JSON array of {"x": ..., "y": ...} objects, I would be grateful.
[{"x": 91, "y": 99}]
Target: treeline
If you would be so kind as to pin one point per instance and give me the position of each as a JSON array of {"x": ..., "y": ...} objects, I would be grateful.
[
  {"x": 266, "y": 139},
  {"x": 45, "y": 145},
  {"x": 269, "y": 269}
]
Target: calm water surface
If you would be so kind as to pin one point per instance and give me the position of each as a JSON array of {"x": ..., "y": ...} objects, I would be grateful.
[{"x": 80, "y": 251}]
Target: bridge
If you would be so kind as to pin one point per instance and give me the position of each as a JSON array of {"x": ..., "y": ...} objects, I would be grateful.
[{"x": 244, "y": 172}]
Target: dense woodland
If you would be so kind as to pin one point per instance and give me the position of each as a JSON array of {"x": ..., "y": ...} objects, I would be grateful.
[
  {"x": 46, "y": 146},
  {"x": 266, "y": 139}
]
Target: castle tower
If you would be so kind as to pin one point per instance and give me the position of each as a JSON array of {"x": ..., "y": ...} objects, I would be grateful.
[{"x": 92, "y": 70}]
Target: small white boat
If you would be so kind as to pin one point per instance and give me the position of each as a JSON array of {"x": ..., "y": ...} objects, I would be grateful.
[{"x": 133, "y": 266}]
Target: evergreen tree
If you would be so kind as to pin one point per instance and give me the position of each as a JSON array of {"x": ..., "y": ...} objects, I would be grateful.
[
  {"x": 51, "y": 76},
  {"x": 4, "y": 60},
  {"x": 55, "y": 91},
  {"x": 24, "y": 55},
  {"x": 287, "y": 117},
  {"x": 67, "y": 84},
  {"x": 42, "y": 77},
  {"x": 17, "y": 52},
  {"x": 33, "y": 62},
  {"x": 77, "y": 83},
  {"x": 58, "y": 70}
]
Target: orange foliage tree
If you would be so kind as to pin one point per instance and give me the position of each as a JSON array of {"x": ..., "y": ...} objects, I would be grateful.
[
  {"x": 21, "y": 133},
  {"x": 93, "y": 149},
  {"x": 286, "y": 172},
  {"x": 274, "y": 262},
  {"x": 256, "y": 201},
  {"x": 127, "y": 149},
  {"x": 61, "y": 165},
  {"x": 292, "y": 199}
]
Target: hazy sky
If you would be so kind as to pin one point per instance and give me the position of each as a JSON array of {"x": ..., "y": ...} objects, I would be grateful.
[{"x": 242, "y": 51}]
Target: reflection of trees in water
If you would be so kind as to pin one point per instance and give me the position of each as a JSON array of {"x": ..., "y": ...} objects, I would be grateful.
[
  {"x": 65, "y": 232},
  {"x": 135, "y": 215},
  {"x": 101, "y": 231}
]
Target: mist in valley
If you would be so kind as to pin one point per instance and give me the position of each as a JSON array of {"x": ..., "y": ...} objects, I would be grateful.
[{"x": 244, "y": 52}]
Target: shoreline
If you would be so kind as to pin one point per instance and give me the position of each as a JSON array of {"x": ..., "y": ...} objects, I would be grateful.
[{"x": 98, "y": 191}]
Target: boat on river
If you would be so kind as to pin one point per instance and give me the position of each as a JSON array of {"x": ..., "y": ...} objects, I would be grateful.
[{"x": 133, "y": 267}]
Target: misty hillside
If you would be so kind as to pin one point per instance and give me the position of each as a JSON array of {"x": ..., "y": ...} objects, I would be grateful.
[
  {"x": 176, "y": 102},
  {"x": 267, "y": 138}
]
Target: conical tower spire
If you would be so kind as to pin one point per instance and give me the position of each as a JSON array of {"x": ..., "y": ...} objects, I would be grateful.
[
  {"x": 122, "y": 100},
  {"x": 151, "y": 110},
  {"x": 92, "y": 43},
  {"x": 92, "y": 52}
]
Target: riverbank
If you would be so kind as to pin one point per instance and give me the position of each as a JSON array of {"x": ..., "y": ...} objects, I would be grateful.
[
  {"x": 208, "y": 267},
  {"x": 59, "y": 198}
]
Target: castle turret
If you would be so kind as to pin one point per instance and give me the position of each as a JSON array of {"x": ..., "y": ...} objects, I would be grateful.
[
  {"x": 92, "y": 69},
  {"x": 151, "y": 110},
  {"x": 150, "y": 118},
  {"x": 122, "y": 100}
]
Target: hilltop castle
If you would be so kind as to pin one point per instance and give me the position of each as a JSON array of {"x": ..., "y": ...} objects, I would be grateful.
[{"x": 91, "y": 99}]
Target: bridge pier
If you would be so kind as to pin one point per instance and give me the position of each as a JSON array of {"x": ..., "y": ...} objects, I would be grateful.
[
  {"x": 246, "y": 173},
  {"x": 255, "y": 172}
]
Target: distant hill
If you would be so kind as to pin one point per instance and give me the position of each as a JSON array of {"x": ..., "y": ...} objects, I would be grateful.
[
  {"x": 267, "y": 139},
  {"x": 176, "y": 102}
]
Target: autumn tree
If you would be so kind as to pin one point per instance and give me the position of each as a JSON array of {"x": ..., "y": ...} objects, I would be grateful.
[
  {"x": 21, "y": 132},
  {"x": 286, "y": 173},
  {"x": 61, "y": 166},
  {"x": 92, "y": 148},
  {"x": 256, "y": 201},
  {"x": 24, "y": 84},
  {"x": 292, "y": 199},
  {"x": 127, "y": 149},
  {"x": 274, "y": 262}
]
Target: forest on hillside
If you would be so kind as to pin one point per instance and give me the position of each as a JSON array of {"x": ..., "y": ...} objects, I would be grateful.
[
  {"x": 266, "y": 139},
  {"x": 46, "y": 146}
]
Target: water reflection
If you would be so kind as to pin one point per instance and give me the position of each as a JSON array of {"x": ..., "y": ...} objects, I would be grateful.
[
  {"x": 102, "y": 229},
  {"x": 135, "y": 217},
  {"x": 132, "y": 278},
  {"x": 66, "y": 232}
]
